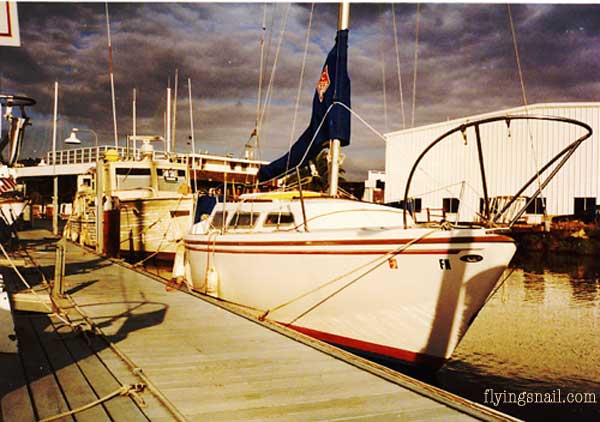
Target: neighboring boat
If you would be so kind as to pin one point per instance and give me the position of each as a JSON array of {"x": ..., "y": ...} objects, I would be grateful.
[
  {"x": 362, "y": 276},
  {"x": 12, "y": 201},
  {"x": 147, "y": 206}
]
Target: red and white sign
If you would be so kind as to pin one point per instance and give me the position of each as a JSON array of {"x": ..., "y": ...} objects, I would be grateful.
[
  {"x": 9, "y": 24},
  {"x": 323, "y": 84}
]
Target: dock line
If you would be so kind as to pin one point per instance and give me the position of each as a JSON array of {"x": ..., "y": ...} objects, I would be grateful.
[
  {"x": 135, "y": 369},
  {"x": 126, "y": 390}
]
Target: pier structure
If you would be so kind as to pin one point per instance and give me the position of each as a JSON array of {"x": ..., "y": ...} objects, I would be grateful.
[{"x": 124, "y": 346}]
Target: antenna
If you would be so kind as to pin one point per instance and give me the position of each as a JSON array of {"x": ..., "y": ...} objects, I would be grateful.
[{"x": 112, "y": 78}]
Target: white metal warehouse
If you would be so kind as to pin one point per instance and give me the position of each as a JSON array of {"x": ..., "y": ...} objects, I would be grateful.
[{"x": 448, "y": 180}]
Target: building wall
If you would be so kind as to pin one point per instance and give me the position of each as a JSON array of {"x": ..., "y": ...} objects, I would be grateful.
[{"x": 511, "y": 157}]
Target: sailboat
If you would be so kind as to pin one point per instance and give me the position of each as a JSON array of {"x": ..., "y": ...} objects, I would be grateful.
[
  {"x": 362, "y": 276},
  {"x": 12, "y": 201}
]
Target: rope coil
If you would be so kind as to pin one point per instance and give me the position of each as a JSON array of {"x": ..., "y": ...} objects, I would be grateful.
[{"x": 131, "y": 390}]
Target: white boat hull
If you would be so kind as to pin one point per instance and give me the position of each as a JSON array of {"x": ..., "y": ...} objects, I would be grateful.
[
  {"x": 413, "y": 306},
  {"x": 11, "y": 210}
]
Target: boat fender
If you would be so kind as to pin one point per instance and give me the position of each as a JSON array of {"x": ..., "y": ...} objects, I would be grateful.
[
  {"x": 212, "y": 281},
  {"x": 179, "y": 262}
]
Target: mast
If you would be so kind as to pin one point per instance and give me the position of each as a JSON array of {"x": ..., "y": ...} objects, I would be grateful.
[
  {"x": 192, "y": 139},
  {"x": 55, "y": 177},
  {"x": 112, "y": 78},
  {"x": 174, "y": 130},
  {"x": 134, "y": 124},
  {"x": 334, "y": 144},
  {"x": 169, "y": 121}
]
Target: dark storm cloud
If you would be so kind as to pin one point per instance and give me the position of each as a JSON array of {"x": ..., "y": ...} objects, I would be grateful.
[{"x": 466, "y": 65}]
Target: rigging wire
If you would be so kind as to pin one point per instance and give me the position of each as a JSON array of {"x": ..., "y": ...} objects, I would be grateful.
[
  {"x": 416, "y": 61},
  {"x": 398, "y": 66},
  {"x": 517, "y": 58},
  {"x": 525, "y": 103},
  {"x": 260, "y": 73},
  {"x": 269, "y": 92},
  {"x": 385, "y": 112},
  {"x": 306, "y": 43}
]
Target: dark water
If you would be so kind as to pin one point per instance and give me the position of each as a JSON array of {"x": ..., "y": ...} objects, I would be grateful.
[{"x": 540, "y": 334}]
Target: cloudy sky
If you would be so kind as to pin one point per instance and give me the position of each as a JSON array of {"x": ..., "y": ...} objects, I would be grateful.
[{"x": 466, "y": 65}]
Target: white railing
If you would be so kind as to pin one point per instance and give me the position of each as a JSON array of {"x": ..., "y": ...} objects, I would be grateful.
[
  {"x": 81, "y": 155},
  {"x": 92, "y": 154}
]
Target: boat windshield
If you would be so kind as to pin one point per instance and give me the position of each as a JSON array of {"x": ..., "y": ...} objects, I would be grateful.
[{"x": 133, "y": 178}]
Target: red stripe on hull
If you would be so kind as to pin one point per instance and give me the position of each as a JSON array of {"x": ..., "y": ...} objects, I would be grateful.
[
  {"x": 444, "y": 241},
  {"x": 405, "y": 356},
  {"x": 317, "y": 252}
]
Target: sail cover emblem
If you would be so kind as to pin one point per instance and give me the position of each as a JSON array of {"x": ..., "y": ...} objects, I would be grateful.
[{"x": 323, "y": 84}]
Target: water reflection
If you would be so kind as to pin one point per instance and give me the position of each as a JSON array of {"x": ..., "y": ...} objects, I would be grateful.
[{"x": 541, "y": 331}]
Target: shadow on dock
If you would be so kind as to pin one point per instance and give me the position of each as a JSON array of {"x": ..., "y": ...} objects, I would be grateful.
[{"x": 58, "y": 367}]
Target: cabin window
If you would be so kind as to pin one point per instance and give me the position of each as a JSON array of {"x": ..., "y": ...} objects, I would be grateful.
[
  {"x": 217, "y": 220},
  {"x": 244, "y": 220},
  {"x": 450, "y": 204},
  {"x": 169, "y": 179},
  {"x": 279, "y": 219},
  {"x": 132, "y": 178}
]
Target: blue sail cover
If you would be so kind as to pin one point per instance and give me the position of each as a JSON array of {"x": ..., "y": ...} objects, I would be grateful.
[{"x": 333, "y": 86}]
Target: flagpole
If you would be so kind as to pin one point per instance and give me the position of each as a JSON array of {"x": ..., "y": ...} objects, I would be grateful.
[{"x": 334, "y": 144}]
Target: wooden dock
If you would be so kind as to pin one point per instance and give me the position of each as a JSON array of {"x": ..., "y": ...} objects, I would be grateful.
[{"x": 143, "y": 353}]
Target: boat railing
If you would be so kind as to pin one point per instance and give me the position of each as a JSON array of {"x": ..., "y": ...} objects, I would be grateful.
[
  {"x": 81, "y": 155},
  {"x": 92, "y": 154}
]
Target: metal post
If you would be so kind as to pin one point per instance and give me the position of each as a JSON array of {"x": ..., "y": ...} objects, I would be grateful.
[
  {"x": 55, "y": 178},
  {"x": 134, "y": 123},
  {"x": 168, "y": 121},
  {"x": 483, "y": 178},
  {"x": 112, "y": 78},
  {"x": 59, "y": 270},
  {"x": 99, "y": 208},
  {"x": 334, "y": 144},
  {"x": 301, "y": 199},
  {"x": 334, "y": 166}
]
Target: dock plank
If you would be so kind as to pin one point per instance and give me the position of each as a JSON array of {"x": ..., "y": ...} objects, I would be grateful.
[
  {"x": 101, "y": 380},
  {"x": 15, "y": 403},
  {"x": 48, "y": 399},
  {"x": 71, "y": 380}
]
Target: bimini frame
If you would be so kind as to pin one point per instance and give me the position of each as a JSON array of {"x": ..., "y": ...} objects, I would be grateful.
[{"x": 489, "y": 219}]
